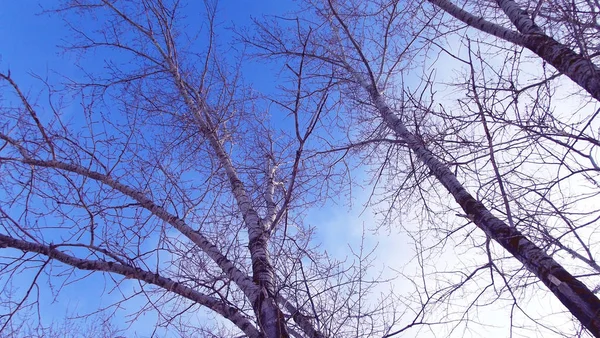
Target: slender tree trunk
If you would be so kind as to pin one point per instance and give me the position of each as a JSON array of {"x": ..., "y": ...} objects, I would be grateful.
[
  {"x": 217, "y": 305},
  {"x": 519, "y": 17},
  {"x": 580, "y": 301},
  {"x": 577, "y": 67},
  {"x": 269, "y": 315}
]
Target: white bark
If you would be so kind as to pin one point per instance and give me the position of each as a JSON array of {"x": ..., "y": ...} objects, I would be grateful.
[
  {"x": 519, "y": 17},
  {"x": 237, "y": 276},
  {"x": 269, "y": 315},
  {"x": 478, "y": 22},
  {"x": 577, "y": 67},
  {"x": 574, "y": 295},
  {"x": 128, "y": 271}
]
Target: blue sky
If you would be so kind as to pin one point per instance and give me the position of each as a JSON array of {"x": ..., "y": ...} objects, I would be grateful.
[
  {"x": 30, "y": 37},
  {"x": 29, "y": 40}
]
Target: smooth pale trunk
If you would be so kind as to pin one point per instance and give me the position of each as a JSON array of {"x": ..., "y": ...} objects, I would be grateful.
[
  {"x": 519, "y": 17},
  {"x": 269, "y": 315},
  {"x": 574, "y": 295},
  {"x": 212, "y": 303},
  {"x": 577, "y": 67}
]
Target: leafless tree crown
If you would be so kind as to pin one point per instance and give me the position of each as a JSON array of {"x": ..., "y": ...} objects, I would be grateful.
[{"x": 162, "y": 170}]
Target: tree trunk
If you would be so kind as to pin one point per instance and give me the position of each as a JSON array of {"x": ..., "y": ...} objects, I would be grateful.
[
  {"x": 577, "y": 67},
  {"x": 580, "y": 301}
]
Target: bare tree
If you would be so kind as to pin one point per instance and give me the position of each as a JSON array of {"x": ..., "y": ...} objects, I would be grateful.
[
  {"x": 427, "y": 147},
  {"x": 170, "y": 175},
  {"x": 577, "y": 66}
]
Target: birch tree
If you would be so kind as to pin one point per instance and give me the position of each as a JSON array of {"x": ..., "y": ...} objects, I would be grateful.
[
  {"x": 171, "y": 174},
  {"x": 424, "y": 146},
  {"x": 579, "y": 67},
  {"x": 168, "y": 173}
]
